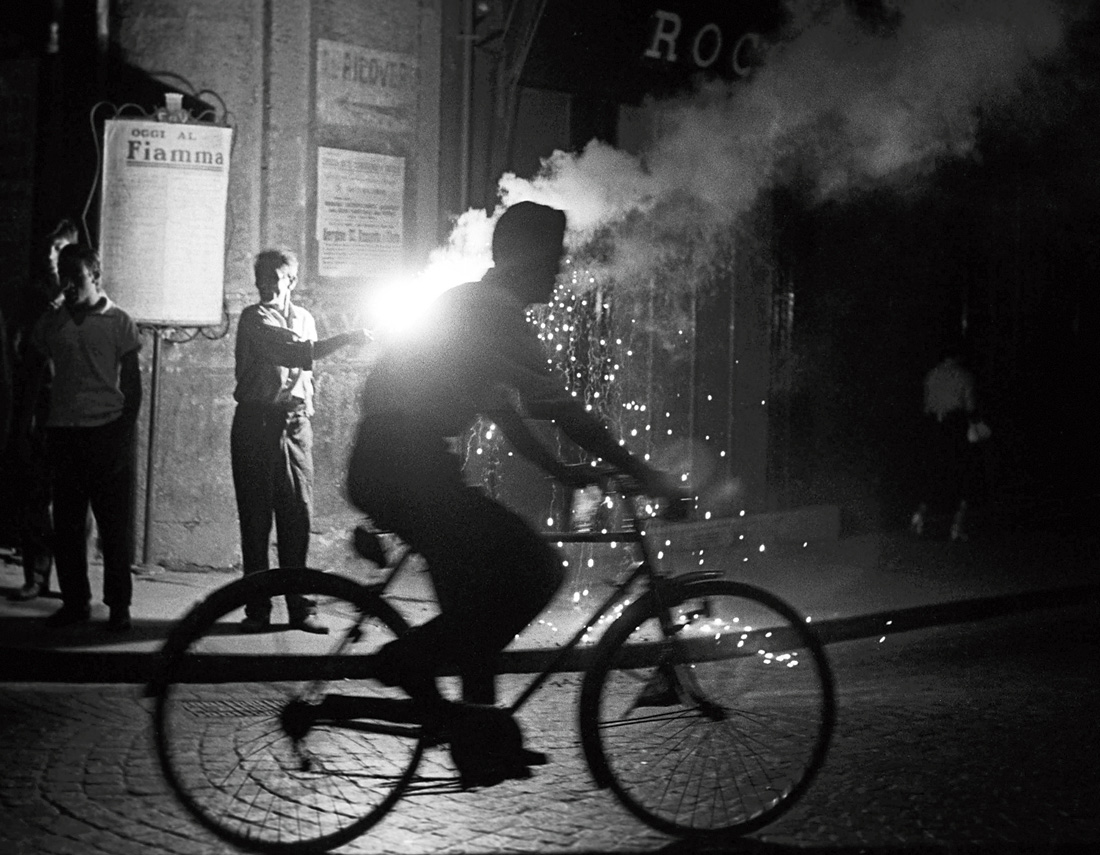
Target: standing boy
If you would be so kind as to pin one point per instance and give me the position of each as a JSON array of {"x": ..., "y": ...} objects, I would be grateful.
[
  {"x": 94, "y": 402},
  {"x": 31, "y": 470}
]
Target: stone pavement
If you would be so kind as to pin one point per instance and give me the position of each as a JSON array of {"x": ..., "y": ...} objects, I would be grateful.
[
  {"x": 850, "y": 587},
  {"x": 81, "y": 775}
]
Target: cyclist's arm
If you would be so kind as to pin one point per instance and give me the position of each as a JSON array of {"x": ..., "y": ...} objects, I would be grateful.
[
  {"x": 593, "y": 436},
  {"x": 528, "y": 445},
  {"x": 520, "y": 364}
]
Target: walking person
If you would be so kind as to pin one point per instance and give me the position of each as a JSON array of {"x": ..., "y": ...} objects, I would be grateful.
[
  {"x": 95, "y": 398},
  {"x": 951, "y": 430},
  {"x": 6, "y": 383},
  {"x": 32, "y": 470},
  {"x": 271, "y": 439}
]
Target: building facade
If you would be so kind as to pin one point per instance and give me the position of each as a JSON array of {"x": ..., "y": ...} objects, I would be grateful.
[{"x": 418, "y": 107}]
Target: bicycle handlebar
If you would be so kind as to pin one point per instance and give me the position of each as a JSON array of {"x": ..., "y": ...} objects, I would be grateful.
[{"x": 610, "y": 479}]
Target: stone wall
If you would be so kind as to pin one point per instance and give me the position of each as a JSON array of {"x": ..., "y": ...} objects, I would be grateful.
[{"x": 258, "y": 60}]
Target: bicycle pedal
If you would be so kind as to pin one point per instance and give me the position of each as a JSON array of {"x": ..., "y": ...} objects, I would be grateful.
[
  {"x": 369, "y": 545},
  {"x": 663, "y": 698},
  {"x": 491, "y": 777},
  {"x": 659, "y": 691},
  {"x": 534, "y": 758},
  {"x": 433, "y": 738}
]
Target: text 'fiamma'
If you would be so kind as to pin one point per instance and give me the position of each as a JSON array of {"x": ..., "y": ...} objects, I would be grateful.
[{"x": 153, "y": 146}]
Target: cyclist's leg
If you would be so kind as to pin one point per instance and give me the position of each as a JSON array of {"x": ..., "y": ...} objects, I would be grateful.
[
  {"x": 401, "y": 480},
  {"x": 491, "y": 571},
  {"x": 516, "y": 574},
  {"x": 492, "y": 574}
]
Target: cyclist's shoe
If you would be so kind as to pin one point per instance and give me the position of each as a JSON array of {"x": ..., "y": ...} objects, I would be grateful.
[
  {"x": 256, "y": 623},
  {"x": 368, "y": 545},
  {"x": 487, "y": 747},
  {"x": 659, "y": 690},
  {"x": 310, "y": 624}
]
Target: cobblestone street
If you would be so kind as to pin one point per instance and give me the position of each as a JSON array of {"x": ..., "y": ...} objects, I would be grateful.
[{"x": 980, "y": 736}]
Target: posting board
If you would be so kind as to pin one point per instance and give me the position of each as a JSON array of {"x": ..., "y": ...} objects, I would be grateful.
[{"x": 162, "y": 234}]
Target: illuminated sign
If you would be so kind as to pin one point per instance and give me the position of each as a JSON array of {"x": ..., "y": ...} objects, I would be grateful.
[{"x": 705, "y": 47}]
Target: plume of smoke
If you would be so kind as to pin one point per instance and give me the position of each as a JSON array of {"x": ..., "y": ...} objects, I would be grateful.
[
  {"x": 841, "y": 100},
  {"x": 468, "y": 251}
]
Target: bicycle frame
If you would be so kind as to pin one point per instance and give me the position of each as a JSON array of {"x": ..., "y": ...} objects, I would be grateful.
[{"x": 643, "y": 569}]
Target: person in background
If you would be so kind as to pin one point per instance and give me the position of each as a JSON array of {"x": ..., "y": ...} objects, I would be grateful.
[
  {"x": 92, "y": 345},
  {"x": 950, "y": 409},
  {"x": 32, "y": 470},
  {"x": 6, "y": 383},
  {"x": 271, "y": 438},
  {"x": 492, "y": 571}
]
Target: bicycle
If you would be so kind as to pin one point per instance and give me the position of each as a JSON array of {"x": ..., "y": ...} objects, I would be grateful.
[{"x": 706, "y": 705}]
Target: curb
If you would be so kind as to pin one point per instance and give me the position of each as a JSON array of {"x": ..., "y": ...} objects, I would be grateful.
[{"x": 137, "y": 668}]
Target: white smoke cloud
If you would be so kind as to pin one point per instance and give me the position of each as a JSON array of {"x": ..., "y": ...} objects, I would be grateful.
[{"x": 837, "y": 99}]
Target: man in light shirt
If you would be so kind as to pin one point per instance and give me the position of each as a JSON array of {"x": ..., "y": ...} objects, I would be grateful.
[
  {"x": 271, "y": 440},
  {"x": 950, "y": 408}
]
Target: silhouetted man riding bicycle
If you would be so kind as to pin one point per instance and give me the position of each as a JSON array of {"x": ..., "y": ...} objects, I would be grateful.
[{"x": 476, "y": 356}]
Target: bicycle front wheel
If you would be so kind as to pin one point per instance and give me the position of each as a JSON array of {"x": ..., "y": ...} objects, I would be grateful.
[
  {"x": 707, "y": 713},
  {"x": 272, "y": 740}
]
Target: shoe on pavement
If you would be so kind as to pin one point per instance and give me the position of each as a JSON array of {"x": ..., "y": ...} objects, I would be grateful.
[
  {"x": 68, "y": 616},
  {"x": 659, "y": 690},
  {"x": 256, "y": 623},
  {"x": 310, "y": 624},
  {"x": 958, "y": 532},
  {"x": 487, "y": 747},
  {"x": 28, "y": 592},
  {"x": 119, "y": 621}
]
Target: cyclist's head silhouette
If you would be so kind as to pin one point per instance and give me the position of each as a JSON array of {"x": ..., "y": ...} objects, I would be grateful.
[{"x": 528, "y": 243}]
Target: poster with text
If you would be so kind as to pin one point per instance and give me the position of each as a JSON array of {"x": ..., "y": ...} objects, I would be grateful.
[
  {"x": 360, "y": 213},
  {"x": 362, "y": 88},
  {"x": 162, "y": 241}
]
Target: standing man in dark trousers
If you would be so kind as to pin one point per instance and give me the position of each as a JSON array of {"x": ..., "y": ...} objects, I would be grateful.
[
  {"x": 271, "y": 440},
  {"x": 32, "y": 470},
  {"x": 93, "y": 347}
]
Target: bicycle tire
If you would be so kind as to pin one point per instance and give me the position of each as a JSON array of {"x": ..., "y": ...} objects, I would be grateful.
[
  {"x": 225, "y": 707},
  {"x": 742, "y": 738}
]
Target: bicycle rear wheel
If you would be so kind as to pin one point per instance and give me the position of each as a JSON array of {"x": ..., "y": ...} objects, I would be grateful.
[
  {"x": 250, "y": 732},
  {"x": 708, "y": 715}
]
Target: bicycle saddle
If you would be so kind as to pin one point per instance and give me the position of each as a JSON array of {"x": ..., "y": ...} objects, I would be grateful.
[{"x": 369, "y": 545}]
